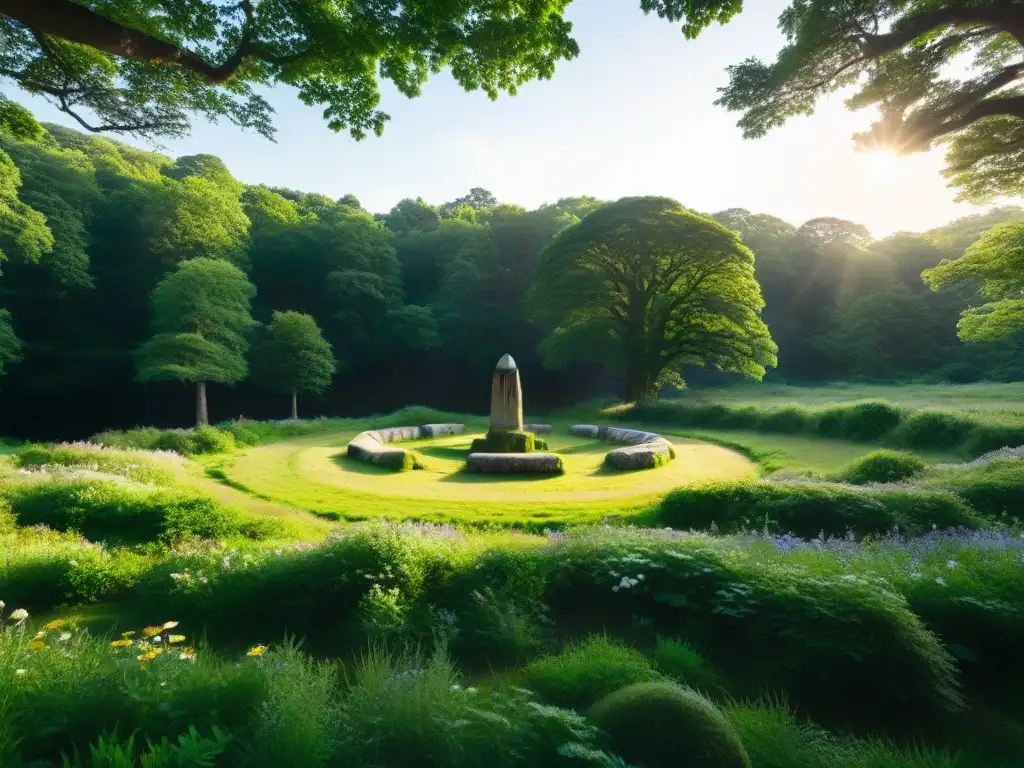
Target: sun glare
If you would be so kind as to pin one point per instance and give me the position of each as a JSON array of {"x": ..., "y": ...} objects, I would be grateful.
[{"x": 882, "y": 165}]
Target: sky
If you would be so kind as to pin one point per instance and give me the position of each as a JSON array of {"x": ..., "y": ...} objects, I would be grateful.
[{"x": 632, "y": 115}]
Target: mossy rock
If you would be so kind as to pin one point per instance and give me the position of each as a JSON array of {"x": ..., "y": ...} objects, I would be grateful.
[
  {"x": 505, "y": 441},
  {"x": 664, "y": 725}
]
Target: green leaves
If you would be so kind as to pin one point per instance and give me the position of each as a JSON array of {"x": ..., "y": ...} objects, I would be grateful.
[
  {"x": 906, "y": 49},
  {"x": 996, "y": 263},
  {"x": 649, "y": 286},
  {"x": 294, "y": 356},
  {"x": 201, "y": 321}
]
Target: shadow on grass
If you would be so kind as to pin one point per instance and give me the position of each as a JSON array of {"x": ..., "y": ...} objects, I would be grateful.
[
  {"x": 349, "y": 464},
  {"x": 482, "y": 478},
  {"x": 448, "y": 452}
]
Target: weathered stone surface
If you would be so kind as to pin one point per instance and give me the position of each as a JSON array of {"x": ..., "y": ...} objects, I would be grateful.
[
  {"x": 506, "y": 363},
  {"x": 631, "y": 436},
  {"x": 514, "y": 463},
  {"x": 584, "y": 430},
  {"x": 644, "y": 455},
  {"x": 506, "y": 399},
  {"x": 537, "y": 429},
  {"x": 442, "y": 430},
  {"x": 398, "y": 434}
]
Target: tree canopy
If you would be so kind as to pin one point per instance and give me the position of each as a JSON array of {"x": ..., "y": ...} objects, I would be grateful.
[
  {"x": 201, "y": 322},
  {"x": 903, "y": 57},
  {"x": 294, "y": 356},
  {"x": 996, "y": 262},
  {"x": 647, "y": 286},
  {"x": 146, "y": 66}
]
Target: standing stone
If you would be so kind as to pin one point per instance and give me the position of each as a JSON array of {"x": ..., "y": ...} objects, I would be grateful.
[{"x": 506, "y": 397}]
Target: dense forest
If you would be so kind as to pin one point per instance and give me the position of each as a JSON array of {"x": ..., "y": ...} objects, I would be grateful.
[{"x": 417, "y": 303}]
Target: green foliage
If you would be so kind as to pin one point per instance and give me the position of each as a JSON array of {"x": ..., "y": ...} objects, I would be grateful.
[
  {"x": 971, "y": 433},
  {"x": 697, "y": 301},
  {"x": 807, "y": 510},
  {"x": 505, "y": 441},
  {"x": 587, "y": 671},
  {"x": 681, "y": 662},
  {"x": 201, "y": 439},
  {"x": 129, "y": 464},
  {"x": 108, "y": 511},
  {"x": 883, "y": 467},
  {"x": 10, "y": 344},
  {"x": 654, "y": 723},
  {"x": 294, "y": 357},
  {"x": 995, "y": 489},
  {"x": 996, "y": 262},
  {"x": 898, "y": 56},
  {"x": 201, "y": 319}
]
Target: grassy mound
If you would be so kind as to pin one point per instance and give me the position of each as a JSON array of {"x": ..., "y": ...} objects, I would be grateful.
[
  {"x": 132, "y": 464},
  {"x": 102, "y": 510},
  {"x": 662, "y": 724},
  {"x": 883, "y": 467},
  {"x": 807, "y": 509},
  {"x": 585, "y": 672}
]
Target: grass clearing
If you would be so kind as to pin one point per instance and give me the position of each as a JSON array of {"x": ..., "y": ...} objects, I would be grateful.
[{"x": 315, "y": 475}]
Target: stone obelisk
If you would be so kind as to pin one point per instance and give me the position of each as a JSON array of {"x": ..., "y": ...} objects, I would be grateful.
[{"x": 506, "y": 397}]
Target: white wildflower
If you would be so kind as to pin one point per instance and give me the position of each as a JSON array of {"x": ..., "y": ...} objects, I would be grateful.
[
  {"x": 18, "y": 615},
  {"x": 19, "y": 671},
  {"x": 939, "y": 580},
  {"x": 952, "y": 564}
]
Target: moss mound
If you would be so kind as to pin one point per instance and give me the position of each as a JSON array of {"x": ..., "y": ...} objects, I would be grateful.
[
  {"x": 663, "y": 725},
  {"x": 505, "y": 441}
]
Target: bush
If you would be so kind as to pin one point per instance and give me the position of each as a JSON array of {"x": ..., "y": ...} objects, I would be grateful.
[
  {"x": 807, "y": 509},
  {"x": 681, "y": 662},
  {"x": 101, "y": 510},
  {"x": 883, "y": 467},
  {"x": 932, "y": 429},
  {"x": 585, "y": 672},
  {"x": 187, "y": 442},
  {"x": 505, "y": 441},
  {"x": 209, "y": 439},
  {"x": 130, "y": 464},
  {"x": 660, "y": 724},
  {"x": 788, "y": 420},
  {"x": 864, "y": 421},
  {"x": 995, "y": 489}
]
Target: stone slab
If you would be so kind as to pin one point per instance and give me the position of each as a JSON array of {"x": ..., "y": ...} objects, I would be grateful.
[
  {"x": 514, "y": 463},
  {"x": 538, "y": 429},
  {"x": 640, "y": 455},
  {"x": 584, "y": 430},
  {"x": 442, "y": 430}
]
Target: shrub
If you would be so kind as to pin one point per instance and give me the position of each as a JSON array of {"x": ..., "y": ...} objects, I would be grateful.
[
  {"x": 995, "y": 489},
  {"x": 187, "y": 442},
  {"x": 932, "y": 429},
  {"x": 990, "y": 437},
  {"x": 883, "y": 467},
  {"x": 788, "y": 420},
  {"x": 681, "y": 662},
  {"x": 657, "y": 724},
  {"x": 102, "y": 510},
  {"x": 865, "y": 421},
  {"x": 133, "y": 465},
  {"x": 540, "y": 444},
  {"x": 209, "y": 439},
  {"x": 809, "y": 509},
  {"x": 585, "y": 672}
]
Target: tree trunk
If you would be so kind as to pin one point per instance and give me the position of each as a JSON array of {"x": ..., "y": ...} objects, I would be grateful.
[
  {"x": 202, "y": 413},
  {"x": 639, "y": 384},
  {"x": 295, "y": 404}
]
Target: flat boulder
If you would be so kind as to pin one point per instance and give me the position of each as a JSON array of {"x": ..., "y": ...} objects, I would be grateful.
[
  {"x": 442, "y": 430},
  {"x": 584, "y": 430},
  {"x": 631, "y": 436},
  {"x": 538, "y": 429},
  {"x": 645, "y": 455},
  {"x": 514, "y": 463}
]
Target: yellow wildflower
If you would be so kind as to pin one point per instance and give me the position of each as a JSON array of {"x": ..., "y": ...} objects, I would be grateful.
[
  {"x": 19, "y": 671},
  {"x": 128, "y": 634},
  {"x": 122, "y": 643},
  {"x": 40, "y": 635},
  {"x": 151, "y": 631},
  {"x": 259, "y": 650},
  {"x": 36, "y": 645},
  {"x": 170, "y": 624},
  {"x": 187, "y": 654},
  {"x": 148, "y": 656},
  {"x": 172, "y": 639},
  {"x": 55, "y": 624}
]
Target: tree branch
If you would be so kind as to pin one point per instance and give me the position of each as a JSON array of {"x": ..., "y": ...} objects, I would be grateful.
[
  {"x": 70, "y": 21},
  {"x": 1011, "y": 106},
  {"x": 999, "y": 15}
]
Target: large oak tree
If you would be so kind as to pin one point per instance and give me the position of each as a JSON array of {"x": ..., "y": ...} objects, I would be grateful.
[
  {"x": 146, "y": 66},
  {"x": 905, "y": 57},
  {"x": 647, "y": 286}
]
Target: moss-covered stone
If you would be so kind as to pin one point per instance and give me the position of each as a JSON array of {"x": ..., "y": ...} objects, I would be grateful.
[{"x": 505, "y": 441}]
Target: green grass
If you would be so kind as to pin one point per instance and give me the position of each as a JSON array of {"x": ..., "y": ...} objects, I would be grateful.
[
  {"x": 314, "y": 474},
  {"x": 984, "y": 396}
]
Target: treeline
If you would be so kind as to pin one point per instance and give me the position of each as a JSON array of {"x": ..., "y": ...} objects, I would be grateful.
[{"x": 417, "y": 303}]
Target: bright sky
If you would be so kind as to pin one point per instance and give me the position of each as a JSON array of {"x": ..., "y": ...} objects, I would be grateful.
[{"x": 632, "y": 115}]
